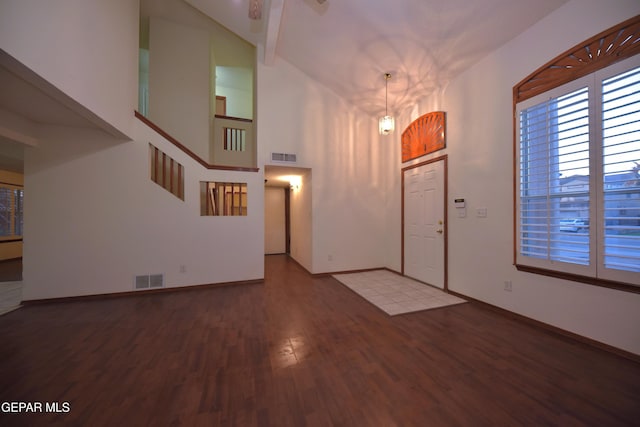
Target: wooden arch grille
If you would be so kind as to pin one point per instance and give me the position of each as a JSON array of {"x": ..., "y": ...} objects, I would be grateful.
[
  {"x": 602, "y": 50},
  {"x": 424, "y": 135}
]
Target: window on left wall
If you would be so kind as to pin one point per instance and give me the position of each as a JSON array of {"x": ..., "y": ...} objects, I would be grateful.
[
  {"x": 166, "y": 172},
  {"x": 11, "y": 211},
  {"x": 223, "y": 198}
]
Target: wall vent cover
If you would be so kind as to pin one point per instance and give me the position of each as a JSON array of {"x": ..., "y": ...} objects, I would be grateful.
[
  {"x": 147, "y": 281},
  {"x": 284, "y": 157},
  {"x": 156, "y": 280}
]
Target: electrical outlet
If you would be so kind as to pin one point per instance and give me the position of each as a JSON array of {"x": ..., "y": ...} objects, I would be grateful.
[
  {"x": 508, "y": 286},
  {"x": 330, "y": 257},
  {"x": 183, "y": 268}
]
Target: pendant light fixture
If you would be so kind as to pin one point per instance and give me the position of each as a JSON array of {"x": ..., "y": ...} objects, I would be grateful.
[{"x": 386, "y": 123}]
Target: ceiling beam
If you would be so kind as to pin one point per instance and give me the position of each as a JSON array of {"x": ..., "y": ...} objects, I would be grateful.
[{"x": 274, "y": 17}]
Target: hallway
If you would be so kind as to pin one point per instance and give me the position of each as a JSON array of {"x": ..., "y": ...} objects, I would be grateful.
[{"x": 300, "y": 350}]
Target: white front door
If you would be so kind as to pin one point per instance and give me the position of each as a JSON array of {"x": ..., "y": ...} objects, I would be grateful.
[{"x": 424, "y": 230}]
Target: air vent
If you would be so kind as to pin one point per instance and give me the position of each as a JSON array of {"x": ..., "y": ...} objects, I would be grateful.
[
  {"x": 142, "y": 282},
  {"x": 283, "y": 157},
  {"x": 156, "y": 280},
  {"x": 149, "y": 281}
]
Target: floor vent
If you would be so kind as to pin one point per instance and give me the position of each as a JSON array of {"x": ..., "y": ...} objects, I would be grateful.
[
  {"x": 149, "y": 281},
  {"x": 283, "y": 157}
]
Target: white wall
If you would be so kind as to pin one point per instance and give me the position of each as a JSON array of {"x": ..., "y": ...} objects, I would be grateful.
[
  {"x": 236, "y": 84},
  {"x": 234, "y": 61},
  {"x": 93, "y": 217},
  {"x": 193, "y": 45},
  {"x": 179, "y": 83},
  {"x": 274, "y": 220},
  {"x": 479, "y": 145},
  {"x": 342, "y": 147},
  {"x": 94, "y": 234},
  {"x": 80, "y": 46}
]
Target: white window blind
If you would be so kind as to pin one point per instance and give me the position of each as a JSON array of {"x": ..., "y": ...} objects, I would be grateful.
[
  {"x": 621, "y": 170},
  {"x": 6, "y": 209},
  {"x": 578, "y": 158},
  {"x": 11, "y": 213},
  {"x": 18, "y": 214},
  {"x": 554, "y": 209}
]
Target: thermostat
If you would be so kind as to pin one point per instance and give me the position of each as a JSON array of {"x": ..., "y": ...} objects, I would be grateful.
[{"x": 459, "y": 203}]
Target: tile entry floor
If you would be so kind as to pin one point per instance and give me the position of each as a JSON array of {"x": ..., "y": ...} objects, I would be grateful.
[{"x": 395, "y": 294}]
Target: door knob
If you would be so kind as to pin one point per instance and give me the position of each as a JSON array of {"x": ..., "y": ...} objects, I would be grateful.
[{"x": 439, "y": 231}]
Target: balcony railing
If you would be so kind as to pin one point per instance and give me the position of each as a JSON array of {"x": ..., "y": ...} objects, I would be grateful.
[
  {"x": 207, "y": 163},
  {"x": 233, "y": 142}
]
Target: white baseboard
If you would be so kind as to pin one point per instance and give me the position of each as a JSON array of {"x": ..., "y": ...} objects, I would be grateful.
[{"x": 9, "y": 309}]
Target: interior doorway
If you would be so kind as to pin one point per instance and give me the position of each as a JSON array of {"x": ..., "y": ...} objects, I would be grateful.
[{"x": 287, "y": 202}]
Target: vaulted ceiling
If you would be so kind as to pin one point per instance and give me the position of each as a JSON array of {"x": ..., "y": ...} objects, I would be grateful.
[
  {"x": 345, "y": 45},
  {"x": 348, "y": 45}
]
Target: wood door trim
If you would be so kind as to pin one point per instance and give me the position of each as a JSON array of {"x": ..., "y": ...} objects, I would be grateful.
[
  {"x": 443, "y": 158},
  {"x": 223, "y": 103},
  {"x": 287, "y": 220}
]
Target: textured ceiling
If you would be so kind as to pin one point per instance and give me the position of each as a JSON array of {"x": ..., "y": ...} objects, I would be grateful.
[
  {"x": 348, "y": 45},
  {"x": 345, "y": 45}
]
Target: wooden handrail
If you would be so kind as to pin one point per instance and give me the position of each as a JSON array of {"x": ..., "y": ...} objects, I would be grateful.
[
  {"x": 188, "y": 152},
  {"x": 237, "y": 119}
]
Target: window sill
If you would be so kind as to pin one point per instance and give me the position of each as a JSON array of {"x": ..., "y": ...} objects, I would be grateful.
[
  {"x": 582, "y": 279},
  {"x": 11, "y": 240}
]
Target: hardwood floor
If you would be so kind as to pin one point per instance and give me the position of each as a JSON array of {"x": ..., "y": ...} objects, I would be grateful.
[{"x": 300, "y": 350}]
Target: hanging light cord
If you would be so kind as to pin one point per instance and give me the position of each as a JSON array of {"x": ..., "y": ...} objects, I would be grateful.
[{"x": 387, "y": 76}]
